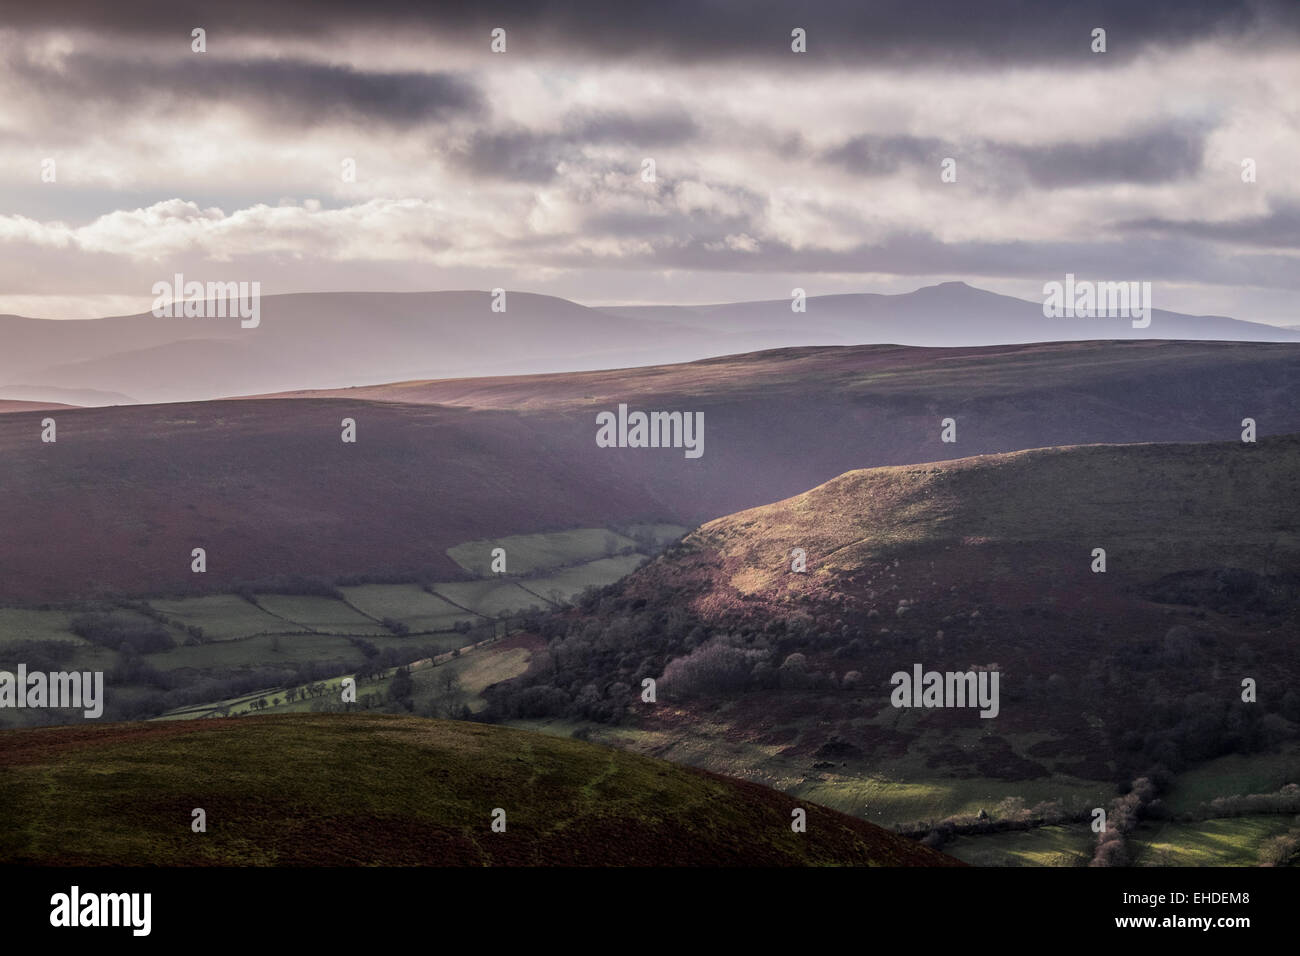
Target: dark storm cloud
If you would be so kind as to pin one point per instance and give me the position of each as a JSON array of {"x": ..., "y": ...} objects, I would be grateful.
[
  {"x": 624, "y": 129},
  {"x": 1278, "y": 227},
  {"x": 296, "y": 92},
  {"x": 527, "y": 156},
  {"x": 1153, "y": 156},
  {"x": 897, "y": 32},
  {"x": 516, "y": 155}
]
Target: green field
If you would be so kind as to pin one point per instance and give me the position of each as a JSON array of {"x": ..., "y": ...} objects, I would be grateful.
[
  {"x": 20, "y": 624},
  {"x": 322, "y": 614},
  {"x": 284, "y": 632},
  {"x": 889, "y": 801},
  {"x": 1234, "y": 774},
  {"x": 473, "y": 671},
  {"x": 531, "y": 553},
  {"x": 409, "y": 603},
  {"x": 259, "y": 651},
  {"x": 488, "y": 598},
  {"x": 1043, "y": 846},
  {"x": 223, "y": 617},
  {"x": 662, "y": 534},
  {"x": 1234, "y": 841},
  {"x": 567, "y": 584}
]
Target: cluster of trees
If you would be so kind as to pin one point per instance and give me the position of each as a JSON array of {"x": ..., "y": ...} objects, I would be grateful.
[
  {"x": 1142, "y": 802},
  {"x": 1125, "y": 813},
  {"x": 715, "y": 667},
  {"x": 401, "y": 687},
  {"x": 1169, "y": 705},
  {"x": 599, "y": 652},
  {"x": 194, "y": 632},
  {"x": 318, "y": 689},
  {"x": 1010, "y": 815},
  {"x": 1181, "y": 732},
  {"x": 1286, "y": 800},
  {"x": 1231, "y": 590},
  {"x": 118, "y": 632},
  {"x": 1281, "y": 849},
  {"x": 37, "y": 655}
]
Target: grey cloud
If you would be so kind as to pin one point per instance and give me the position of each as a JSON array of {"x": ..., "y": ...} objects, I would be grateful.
[
  {"x": 529, "y": 156},
  {"x": 1278, "y": 227},
  {"x": 1151, "y": 156},
  {"x": 657, "y": 129},
  {"x": 701, "y": 225},
  {"x": 880, "y": 155},
  {"x": 899, "y": 33},
  {"x": 517, "y": 155},
  {"x": 296, "y": 92}
]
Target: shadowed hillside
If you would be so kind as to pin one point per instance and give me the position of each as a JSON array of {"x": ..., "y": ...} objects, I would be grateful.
[
  {"x": 268, "y": 489},
  {"x": 355, "y": 790}
]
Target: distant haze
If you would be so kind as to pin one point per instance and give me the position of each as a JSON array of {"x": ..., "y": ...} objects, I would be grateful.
[{"x": 332, "y": 340}]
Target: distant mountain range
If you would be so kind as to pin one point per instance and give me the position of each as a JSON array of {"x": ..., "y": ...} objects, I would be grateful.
[{"x": 333, "y": 340}]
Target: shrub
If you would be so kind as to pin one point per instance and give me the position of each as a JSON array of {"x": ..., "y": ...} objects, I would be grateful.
[{"x": 713, "y": 667}]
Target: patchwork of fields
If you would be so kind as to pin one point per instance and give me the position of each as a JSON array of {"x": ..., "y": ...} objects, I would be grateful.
[{"x": 190, "y": 656}]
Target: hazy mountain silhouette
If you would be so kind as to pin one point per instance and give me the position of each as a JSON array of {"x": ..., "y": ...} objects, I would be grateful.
[
  {"x": 948, "y": 314},
  {"x": 332, "y": 340}
]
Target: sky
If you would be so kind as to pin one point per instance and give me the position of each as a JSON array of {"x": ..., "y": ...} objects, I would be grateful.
[{"x": 773, "y": 169}]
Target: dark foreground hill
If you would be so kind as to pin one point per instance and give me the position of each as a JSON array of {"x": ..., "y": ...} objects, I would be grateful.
[
  {"x": 982, "y": 563},
  {"x": 356, "y": 790},
  {"x": 269, "y": 490}
]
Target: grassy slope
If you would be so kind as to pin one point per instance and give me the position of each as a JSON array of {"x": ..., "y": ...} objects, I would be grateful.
[
  {"x": 1157, "y": 508},
  {"x": 1234, "y": 841},
  {"x": 335, "y": 789}
]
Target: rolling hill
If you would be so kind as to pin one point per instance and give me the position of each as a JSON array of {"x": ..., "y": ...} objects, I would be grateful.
[
  {"x": 983, "y": 563},
  {"x": 7, "y": 407},
  {"x": 327, "y": 339},
  {"x": 268, "y": 489},
  {"x": 345, "y": 790},
  {"x": 331, "y": 340},
  {"x": 949, "y": 314}
]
